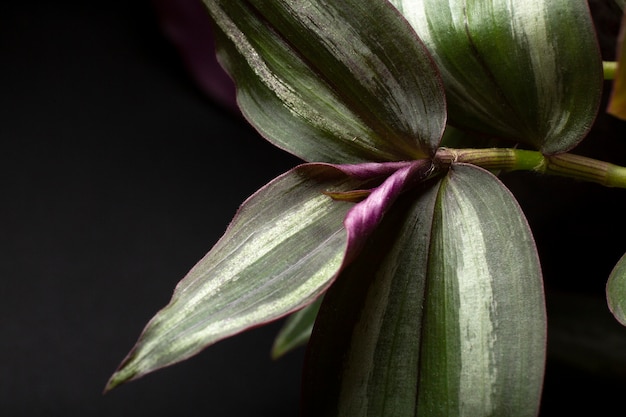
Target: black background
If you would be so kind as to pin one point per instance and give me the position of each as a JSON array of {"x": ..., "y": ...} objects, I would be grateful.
[{"x": 117, "y": 174}]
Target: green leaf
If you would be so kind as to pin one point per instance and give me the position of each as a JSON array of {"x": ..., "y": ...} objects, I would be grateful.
[
  {"x": 485, "y": 324},
  {"x": 616, "y": 291},
  {"x": 282, "y": 250},
  {"x": 341, "y": 82},
  {"x": 442, "y": 314},
  {"x": 363, "y": 356},
  {"x": 523, "y": 70},
  {"x": 297, "y": 330}
]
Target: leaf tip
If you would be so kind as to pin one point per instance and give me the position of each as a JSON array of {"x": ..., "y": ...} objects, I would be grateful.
[
  {"x": 122, "y": 374},
  {"x": 118, "y": 378},
  {"x": 277, "y": 352}
]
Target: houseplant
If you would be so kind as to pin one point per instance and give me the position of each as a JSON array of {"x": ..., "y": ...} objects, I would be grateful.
[{"x": 423, "y": 263}]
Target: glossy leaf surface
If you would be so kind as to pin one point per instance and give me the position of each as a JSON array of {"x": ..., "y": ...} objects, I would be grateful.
[
  {"x": 616, "y": 291},
  {"x": 281, "y": 251},
  {"x": 445, "y": 317},
  {"x": 523, "y": 70},
  {"x": 339, "y": 82},
  {"x": 485, "y": 325}
]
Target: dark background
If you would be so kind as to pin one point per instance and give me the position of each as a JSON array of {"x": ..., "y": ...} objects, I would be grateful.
[{"x": 117, "y": 174}]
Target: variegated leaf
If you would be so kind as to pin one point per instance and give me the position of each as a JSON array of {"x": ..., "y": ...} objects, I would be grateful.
[
  {"x": 523, "y": 70},
  {"x": 283, "y": 249},
  {"x": 340, "y": 82},
  {"x": 442, "y": 315},
  {"x": 279, "y": 254}
]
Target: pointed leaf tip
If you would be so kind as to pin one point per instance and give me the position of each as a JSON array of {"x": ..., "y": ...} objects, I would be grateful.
[
  {"x": 281, "y": 251},
  {"x": 115, "y": 381},
  {"x": 122, "y": 374},
  {"x": 296, "y": 330}
]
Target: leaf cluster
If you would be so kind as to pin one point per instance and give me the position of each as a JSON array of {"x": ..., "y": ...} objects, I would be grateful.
[{"x": 414, "y": 269}]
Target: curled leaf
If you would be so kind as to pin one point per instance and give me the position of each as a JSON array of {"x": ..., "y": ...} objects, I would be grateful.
[
  {"x": 364, "y": 217},
  {"x": 522, "y": 70}
]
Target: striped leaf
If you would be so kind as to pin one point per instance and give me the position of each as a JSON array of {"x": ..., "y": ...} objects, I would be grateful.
[
  {"x": 485, "y": 318},
  {"x": 523, "y": 70},
  {"x": 340, "y": 82},
  {"x": 363, "y": 356},
  {"x": 281, "y": 251},
  {"x": 442, "y": 315}
]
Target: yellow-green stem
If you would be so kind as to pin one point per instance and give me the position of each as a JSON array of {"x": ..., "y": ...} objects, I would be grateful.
[
  {"x": 609, "y": 67},
  {"x": 565, "y": 165}
]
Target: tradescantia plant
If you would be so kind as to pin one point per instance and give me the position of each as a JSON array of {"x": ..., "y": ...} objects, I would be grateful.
[{"x": 396, "y": 238}]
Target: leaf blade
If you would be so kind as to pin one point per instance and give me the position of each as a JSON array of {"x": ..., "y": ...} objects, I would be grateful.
[
  {"x": 486, "y": 310},
  {"x": 616, "y": 291},
  {"x": 526, "y": 71},
  {"x": 375, "y": 345},
  {"x": 343, "y": 90},
  {"x": 281, "y": 251},
  {"x": 399, "y": 344}
]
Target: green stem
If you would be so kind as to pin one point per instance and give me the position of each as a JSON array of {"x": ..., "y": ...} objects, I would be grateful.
[
  {"x": 565, "y": 165},
  {"x": 609, "y": 67}
]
